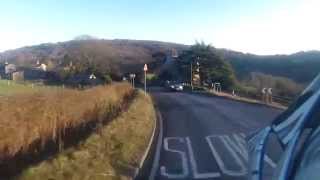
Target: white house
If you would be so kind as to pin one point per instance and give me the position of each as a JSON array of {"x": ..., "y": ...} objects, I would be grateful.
[
  {"x": 10, "y": 68},
  {"x": 43, "y": 67}
]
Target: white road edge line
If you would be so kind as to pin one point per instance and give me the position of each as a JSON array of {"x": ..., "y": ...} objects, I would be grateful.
[
  {"x": 156, "y": 159},
  {"x": 143, "y": 158}
]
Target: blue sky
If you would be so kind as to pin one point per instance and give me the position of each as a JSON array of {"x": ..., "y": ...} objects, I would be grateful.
[{"x": 255, "y": 26}]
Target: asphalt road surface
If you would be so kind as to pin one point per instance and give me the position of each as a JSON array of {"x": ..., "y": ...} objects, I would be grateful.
[{"x": 204, "y": 137}]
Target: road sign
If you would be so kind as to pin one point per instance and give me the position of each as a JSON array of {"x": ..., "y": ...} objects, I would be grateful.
[
  {"x": 92, "y": 76},
  {"x": 145, "y": 68},
  {"x": 132, "y": 77}
]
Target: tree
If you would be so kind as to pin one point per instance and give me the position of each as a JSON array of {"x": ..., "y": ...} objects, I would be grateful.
[{"x": 212, "y": 67}]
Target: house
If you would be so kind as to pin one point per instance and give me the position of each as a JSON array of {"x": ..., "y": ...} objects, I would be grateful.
[
  {"x": 42, "y": 67},
  {"x": 10, "y": 68},
  {"x": 17, "y": 76},
  {"x": 11, "y": 72}
]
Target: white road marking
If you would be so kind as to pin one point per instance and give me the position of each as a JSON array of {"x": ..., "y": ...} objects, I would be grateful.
[
  {"x": 234, "y": 144},
  {"x": 243, "y": 168},
  {"x": 238, "y": 146},
  {"x": 243, "y": 135},
  {"x": 269, "y": 161},
  {"x": 156, "y": 158},
  {"x": 183, "y": 156},
  {"x": 194, "y": 168},
  {"x": 243, "y": 150},
  {"x": 220, "y": 162}
]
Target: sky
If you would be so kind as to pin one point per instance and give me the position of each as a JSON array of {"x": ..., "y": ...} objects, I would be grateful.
[{"x": 252, "y": 26}]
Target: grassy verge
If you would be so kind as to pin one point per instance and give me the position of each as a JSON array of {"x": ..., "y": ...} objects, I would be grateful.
[
  {"x": 247, "y": 100},
  {"x": 38, "y": 124},
  {"x": 114, "y": 153}
]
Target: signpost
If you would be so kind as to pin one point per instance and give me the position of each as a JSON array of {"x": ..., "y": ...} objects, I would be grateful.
[
  {"x": 217, "y": 87},
  {"x": 270, "y": 95},
  {"x": 264, "y": 95},
  {"x": 132, "y": 77},
  {"x": 145, "y": 69}
]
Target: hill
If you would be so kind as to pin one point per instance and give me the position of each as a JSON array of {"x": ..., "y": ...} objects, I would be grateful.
[
  {"x": 116, "y": 56},
  {"x": 301, "y": 67},
  {"x": 121, "y": 56}
]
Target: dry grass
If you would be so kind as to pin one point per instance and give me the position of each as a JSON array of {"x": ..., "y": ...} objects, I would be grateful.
[
  {"x": 47, "y": 115},
  {"x": 112, "y": 154}
]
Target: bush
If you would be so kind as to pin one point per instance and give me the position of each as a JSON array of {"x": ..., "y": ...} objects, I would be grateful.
[
  {"x": 281, "y": 86},
  {"x": 107, "y": 79}
]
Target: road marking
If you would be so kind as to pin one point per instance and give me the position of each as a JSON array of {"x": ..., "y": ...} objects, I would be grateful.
[
  {"x": 243, "y": 170},
  {"x": 269, "y": 161},
  {"x": 194, "y": 168},
  {"x": 156, "y": 158},
  {"x": 219, "y": 160},
  {"x": 238, "y": 146},
  {"x": 243, "y": 135},
  {"x": 184, "y": 161},
  {"x": 234, "y": 146}
]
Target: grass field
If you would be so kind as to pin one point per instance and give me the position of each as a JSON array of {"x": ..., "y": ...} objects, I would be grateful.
[
  {"x": 112, "y": 154},
  {"x": 10, "y": 87},
  {"x": 30, "y": 120}
]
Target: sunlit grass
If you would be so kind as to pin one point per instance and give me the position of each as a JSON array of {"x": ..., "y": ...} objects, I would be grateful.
[
  {"x": 112, "y": 154},
  {"x": 48, "y": 113}
]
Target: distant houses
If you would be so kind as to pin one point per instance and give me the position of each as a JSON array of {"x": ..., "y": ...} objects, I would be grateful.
[
  {"x": 11, "y": 72},
  {"x": 16, "y": 73}
]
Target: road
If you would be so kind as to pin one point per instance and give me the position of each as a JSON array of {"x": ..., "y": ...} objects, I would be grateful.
[{"x": 203, "y": 137}]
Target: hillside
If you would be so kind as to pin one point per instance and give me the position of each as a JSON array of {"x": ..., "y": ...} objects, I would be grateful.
[
  {"x": 126, "y": 56},
  {"x": 301, "y": 67},
  {"x": 119, "y": 56}
]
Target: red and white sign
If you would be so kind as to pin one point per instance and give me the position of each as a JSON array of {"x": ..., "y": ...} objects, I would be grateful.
[{"x": 145, "y": 68}]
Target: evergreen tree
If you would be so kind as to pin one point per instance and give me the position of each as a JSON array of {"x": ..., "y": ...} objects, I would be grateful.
[{"x": 212, "y": 67}]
